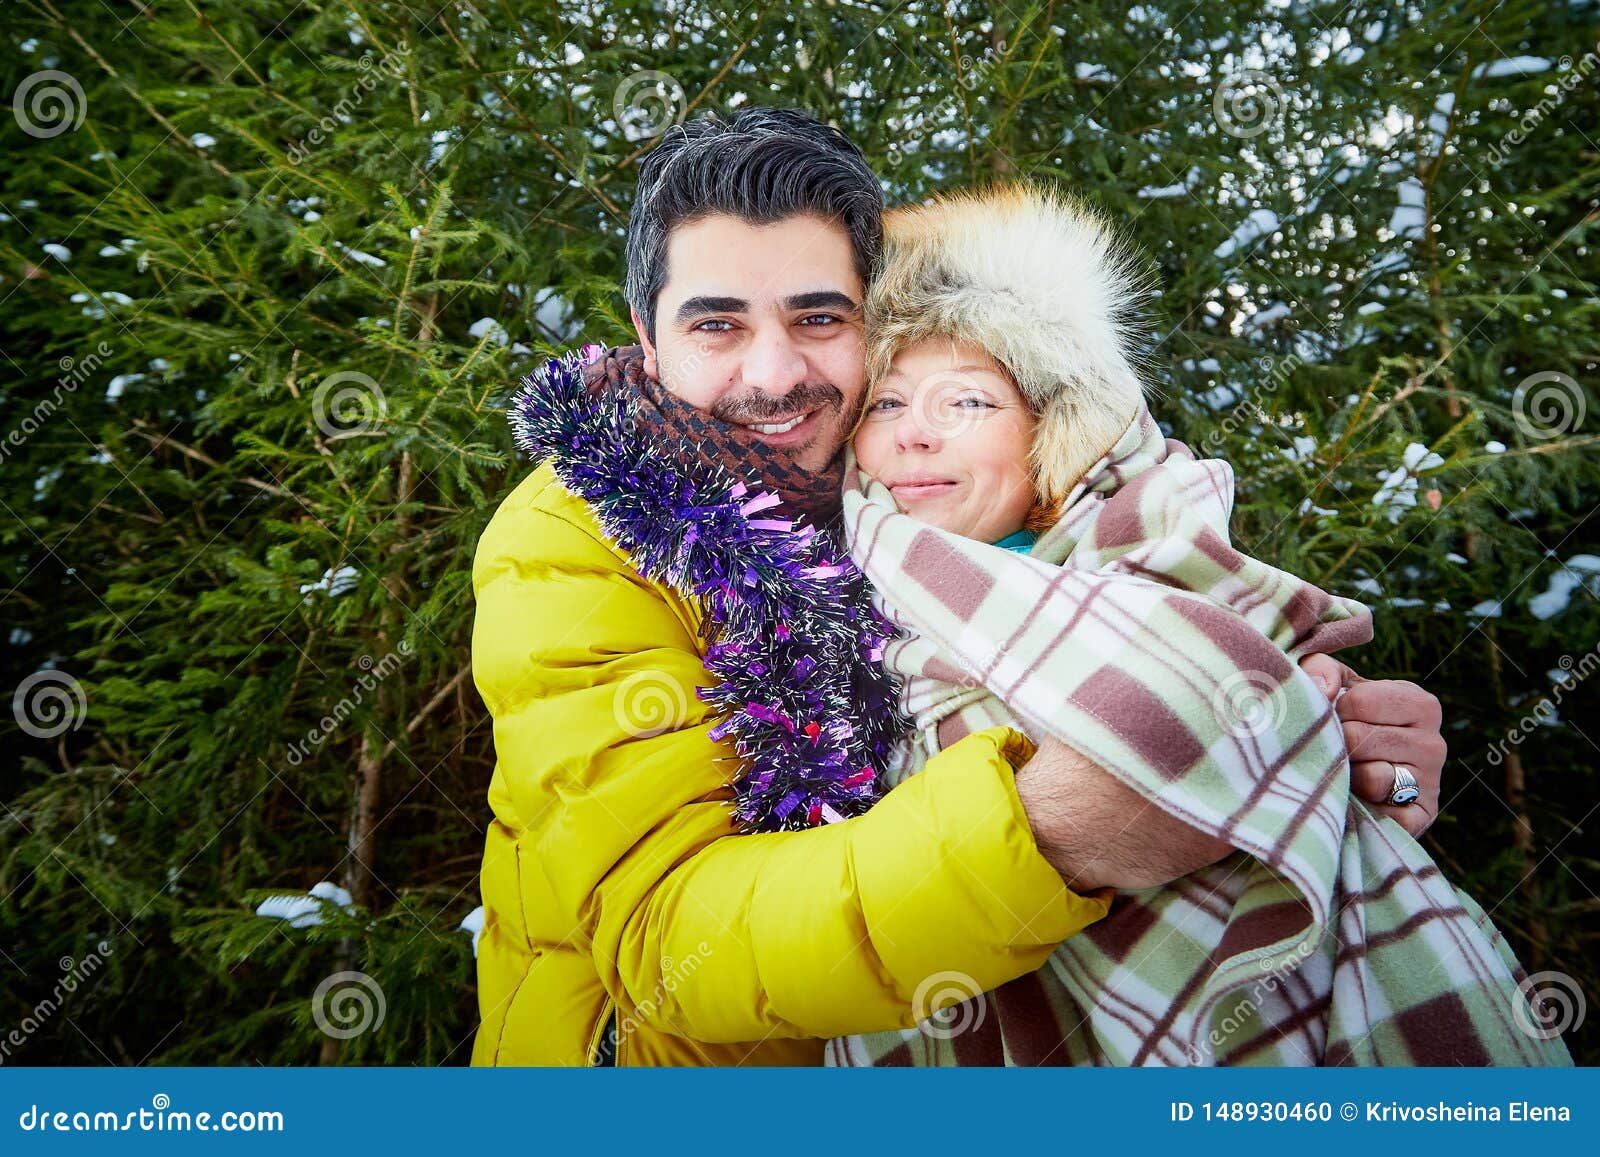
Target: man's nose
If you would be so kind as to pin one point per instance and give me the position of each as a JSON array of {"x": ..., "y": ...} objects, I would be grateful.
[{"x": 773, "y": 364}]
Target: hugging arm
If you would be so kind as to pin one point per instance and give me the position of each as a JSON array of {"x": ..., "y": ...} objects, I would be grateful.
[
  {"x": 625, "y": 847},
  {"x": 1096, "y": 831}
]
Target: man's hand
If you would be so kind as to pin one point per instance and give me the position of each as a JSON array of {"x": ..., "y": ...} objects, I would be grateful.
[
  {"x": 1386, "y": 721},
  {"x": 1097, "y": 833}
]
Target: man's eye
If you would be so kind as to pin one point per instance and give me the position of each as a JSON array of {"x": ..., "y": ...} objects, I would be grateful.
[
  {"x": 722, "y": 324},
  {"x": 826, "y": 318}
]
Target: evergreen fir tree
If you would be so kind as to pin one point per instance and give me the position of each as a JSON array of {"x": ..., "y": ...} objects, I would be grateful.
[{"x": 269, "y": 272}]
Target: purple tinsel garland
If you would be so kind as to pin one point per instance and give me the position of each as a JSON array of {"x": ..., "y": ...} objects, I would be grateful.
[{"x": 791, "y": 630}]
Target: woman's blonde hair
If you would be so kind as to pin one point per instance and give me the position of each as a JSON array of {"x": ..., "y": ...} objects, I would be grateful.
[{"x": 1044, "y": 286}]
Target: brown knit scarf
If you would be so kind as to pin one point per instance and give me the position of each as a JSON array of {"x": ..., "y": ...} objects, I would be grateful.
[{"x": 694, "y": 436}]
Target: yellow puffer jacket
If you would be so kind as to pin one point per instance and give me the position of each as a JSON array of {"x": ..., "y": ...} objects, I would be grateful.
[{"x": 614, "y": 879}]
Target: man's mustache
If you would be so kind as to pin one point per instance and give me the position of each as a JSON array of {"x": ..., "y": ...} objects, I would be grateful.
[{"x": 760, "y": 407}]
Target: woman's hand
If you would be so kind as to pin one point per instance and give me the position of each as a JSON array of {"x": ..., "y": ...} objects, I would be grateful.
[{"x": 1386, "y": 721}]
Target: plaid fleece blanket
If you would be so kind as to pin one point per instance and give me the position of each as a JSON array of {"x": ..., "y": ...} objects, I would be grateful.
[{"x": 1135, "y": 632}]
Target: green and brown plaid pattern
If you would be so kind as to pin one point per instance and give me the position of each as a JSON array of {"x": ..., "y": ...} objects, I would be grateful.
[{"x": 1137, "y": 634}]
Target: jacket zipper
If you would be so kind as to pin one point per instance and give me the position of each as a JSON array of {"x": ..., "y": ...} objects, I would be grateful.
[{"x": 599, "y": 1033}]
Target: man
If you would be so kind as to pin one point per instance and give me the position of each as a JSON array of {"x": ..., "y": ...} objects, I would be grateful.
[{"x": 627, "y": 920}]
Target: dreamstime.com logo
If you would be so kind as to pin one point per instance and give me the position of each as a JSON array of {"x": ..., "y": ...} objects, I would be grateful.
[
  {"x": 1253, "y": 408},
  {"x": 1250, "y": 703},
  {"x": 1551, "y": 1004},
  {"x": 1247, "y": 105},
  {"x": 972, "y": 74},
  {"x": 1543, "y": 712},
  {"x": 1548, "y": 404},
  {"x": 49, "y": 703},
  {"x": 647, "y": 104},
  {"x": 1225, "y": 1022},
  {"x": 648, "y": 703},
  {"x": 369, "y": 70},
  {"x": 348, "y": 404},
  {"x": 48, "y": 103},
  {"x": 348, "y": 1004},
  {"x": 950, "y": 404},
  {"x": 74, "y": 974},
  {"x": 673, "y": 973},
  {"x": 74, "y": 372},
  {"x": 156, "y": 1119},
  {"x": 374, "y": 673},
  {"x": 1567, "y": 80},
  {"x": 948, "y": 1004}
]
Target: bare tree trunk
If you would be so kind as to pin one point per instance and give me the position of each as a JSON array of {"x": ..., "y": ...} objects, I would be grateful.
[{"x": 361, "y": 838}]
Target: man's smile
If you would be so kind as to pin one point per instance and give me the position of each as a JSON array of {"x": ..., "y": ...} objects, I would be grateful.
[{"x": 795, "y": 430}]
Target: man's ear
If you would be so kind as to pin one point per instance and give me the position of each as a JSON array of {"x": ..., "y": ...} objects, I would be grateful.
[{"x": 649, "y": 346}]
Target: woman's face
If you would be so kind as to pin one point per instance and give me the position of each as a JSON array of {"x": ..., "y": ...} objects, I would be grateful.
[{"x": 949, "y": 434}]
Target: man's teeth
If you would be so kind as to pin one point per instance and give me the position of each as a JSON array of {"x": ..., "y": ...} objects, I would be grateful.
[{"x": 778, "y": 427}]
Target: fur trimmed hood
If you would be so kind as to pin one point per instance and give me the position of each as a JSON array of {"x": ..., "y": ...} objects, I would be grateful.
[{"x": 1045, "y": 285}]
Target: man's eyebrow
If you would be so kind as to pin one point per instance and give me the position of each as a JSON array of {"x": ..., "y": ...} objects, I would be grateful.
[
  {"x": 696, "y": 306},
  {"x": 822, "y": 299}
]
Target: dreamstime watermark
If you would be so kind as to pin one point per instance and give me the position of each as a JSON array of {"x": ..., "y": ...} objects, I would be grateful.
[
  {"x": 1548, "y": 404},
  {"x": 972, "y": 73},
  {"x": 75, "y": 973},
  {"x": 1250, "y": 703},
  {"x": 328, "y": 124},
  {"x": 48, "y": 103},
  {"x": 49, "y": 703},
  {"x": 1544, "y": 711},
  {"x": 1246, "y": 1010},
  {"x": 155, "y": 1119},
  {"x": 673, "y": 973},
  {"x": 348, "y": 1004},
  {"x": 1248, "y": 104},
  {"x": 1252, "y": 407},
  {"x": 950, "y": 404},
  {"x": 648, "y": 103},
  {"x": 942, "y": 1018},
  {"x": 373, "y": 673},
  {"x": 1551, "y": 1004},
  {"x": 1566, "y": 82},
  {"x": 75, "y": 372},
  {"x": 348, "y": 404},
  {"x": 648, "y": 703}
]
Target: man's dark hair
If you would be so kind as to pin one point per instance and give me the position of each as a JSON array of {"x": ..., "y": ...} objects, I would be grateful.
[{"x": 763, "y": 166}]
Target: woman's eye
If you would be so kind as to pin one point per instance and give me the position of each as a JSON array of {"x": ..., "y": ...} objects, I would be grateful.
[
  {"x": 882, "y": 404},
  {"x": 974, "y": 403}
]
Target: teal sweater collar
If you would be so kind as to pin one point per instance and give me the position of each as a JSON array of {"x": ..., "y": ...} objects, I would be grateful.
[{"x": 1021, "y": 542}]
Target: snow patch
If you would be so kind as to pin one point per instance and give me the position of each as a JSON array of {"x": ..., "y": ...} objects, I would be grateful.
[
  {"x": 335, "y": 582},
  {"x": 1512, "y": 66},
  {"x": 1581, "y": 570},
  {"x": 304, "y": 911},
  {"x": 489, "y": 327},
  {"x": 1408, "y": 219},
  {"x": 473, "y": 922},
  {"x": 1399, "y": 489},
  {"x": 1259, "y": 224}
]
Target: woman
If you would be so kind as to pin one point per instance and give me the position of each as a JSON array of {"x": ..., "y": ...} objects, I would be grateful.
[{"x": 1055, "y": 563}]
